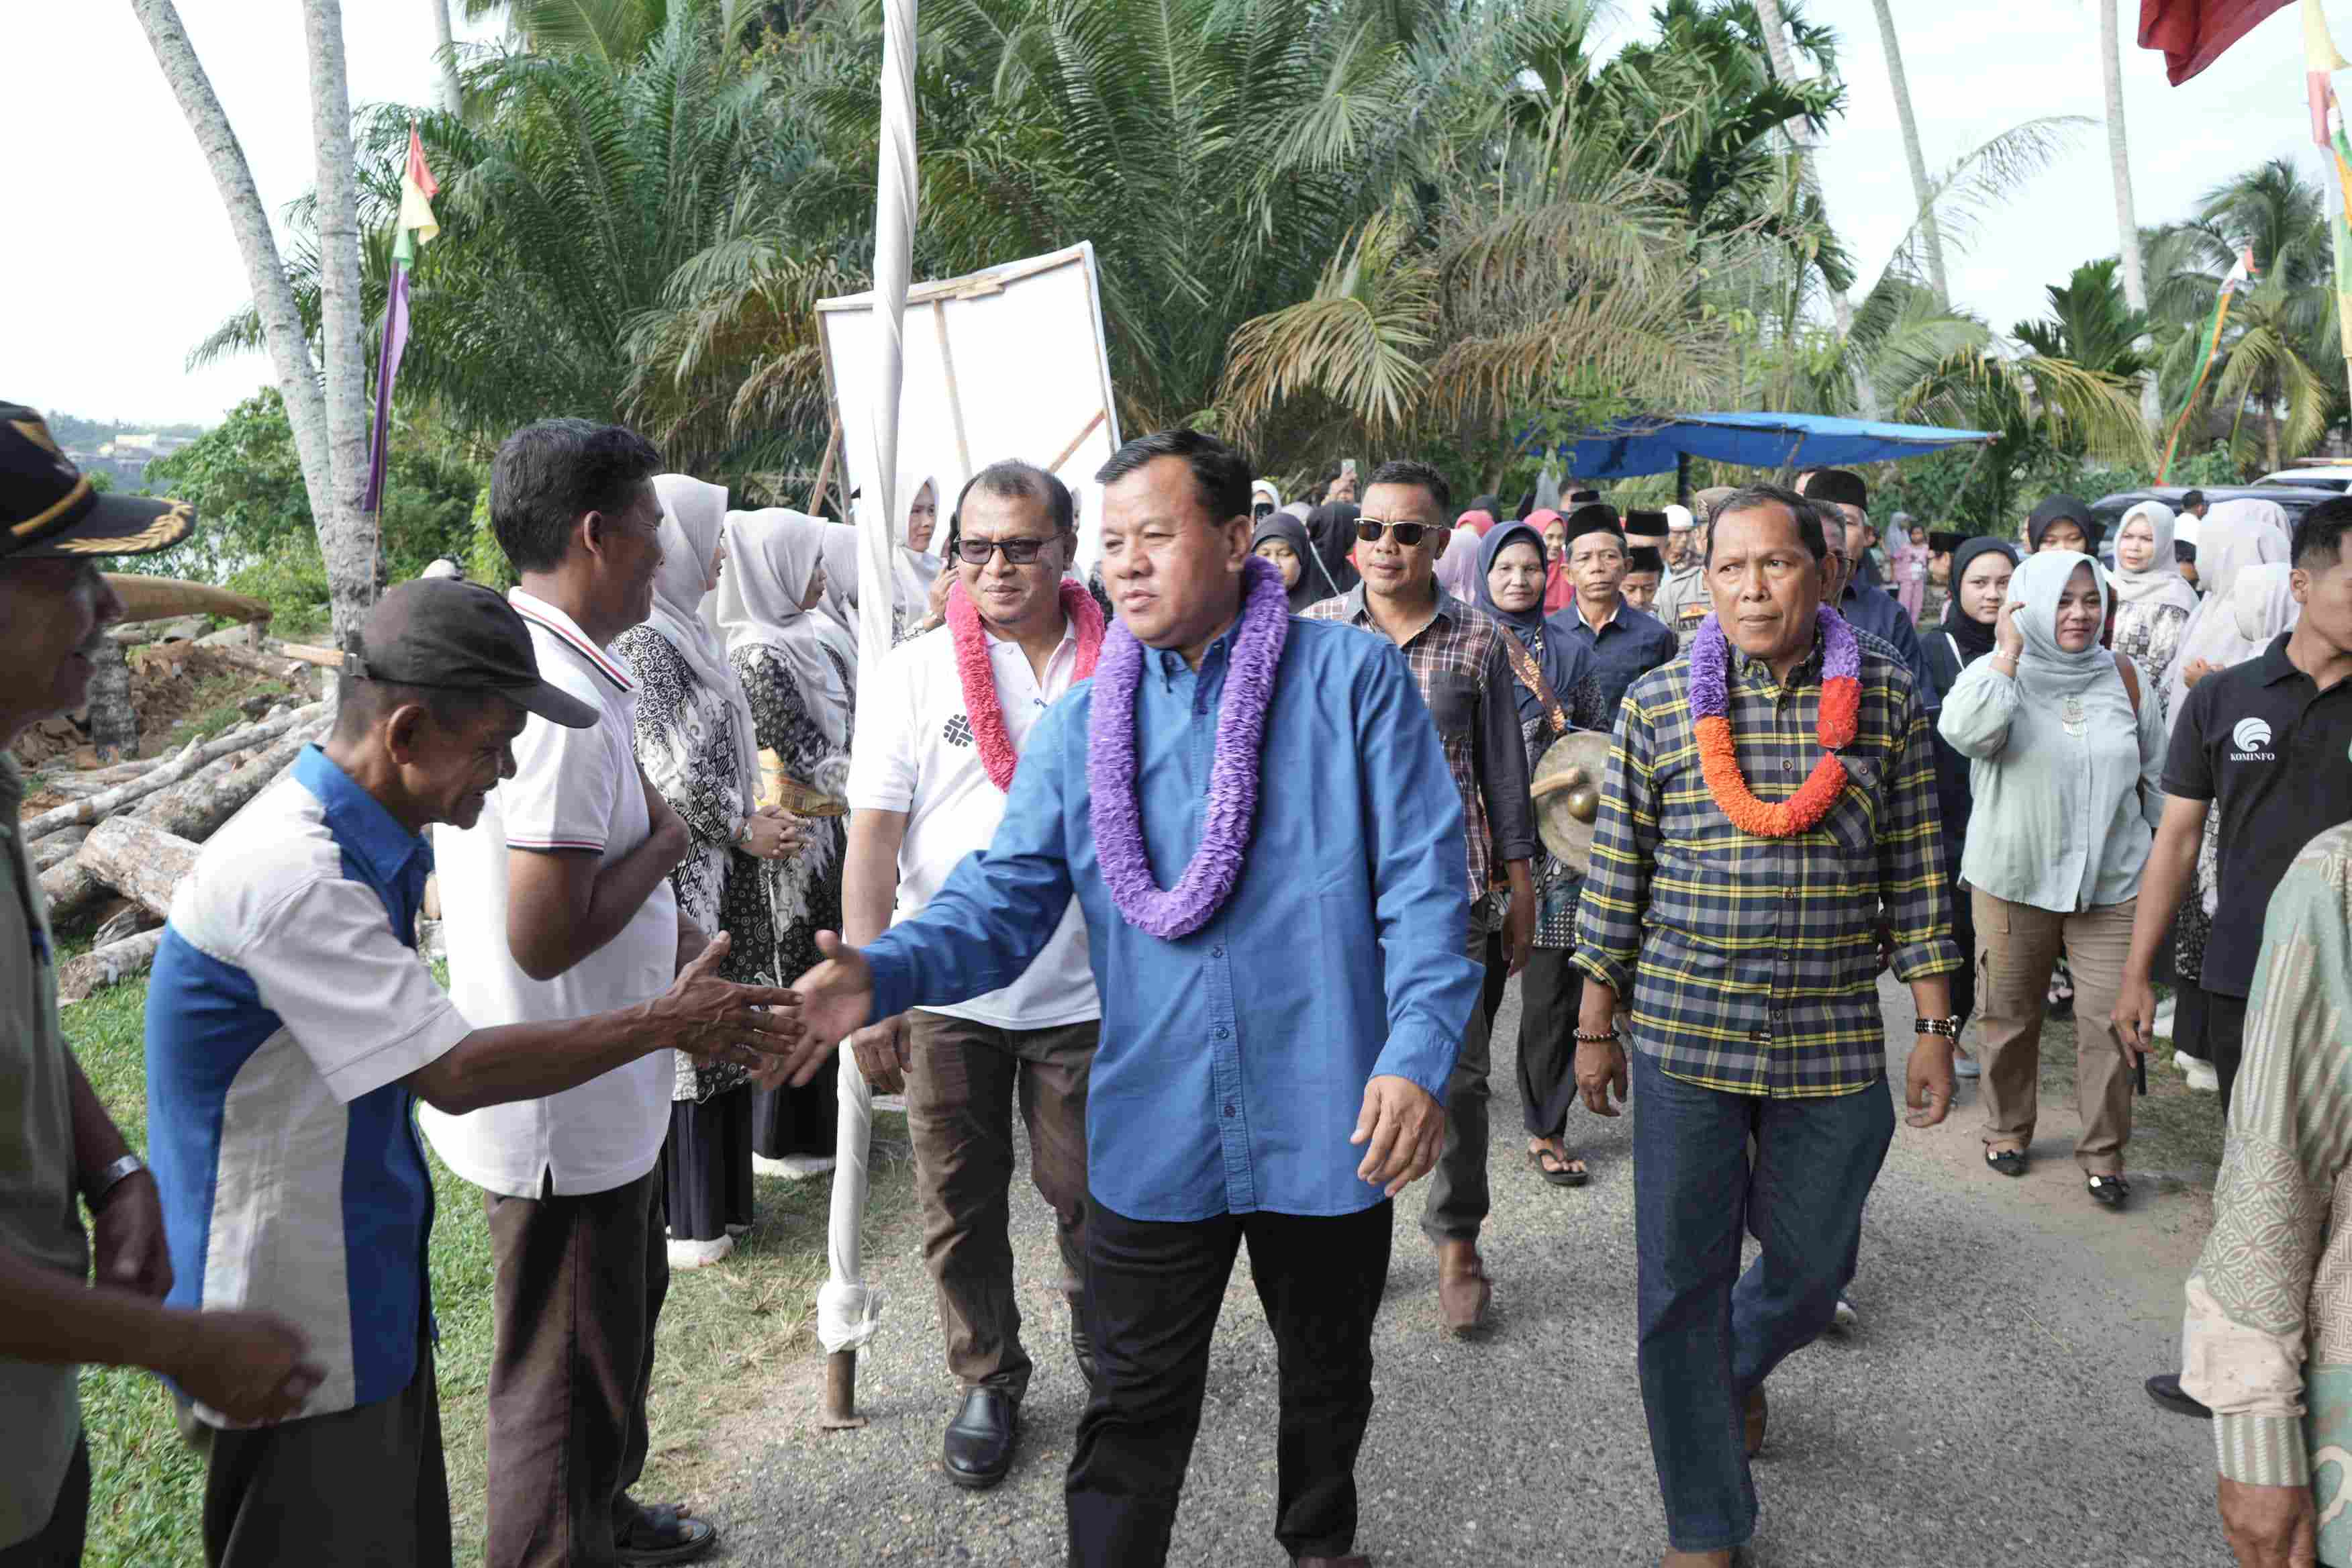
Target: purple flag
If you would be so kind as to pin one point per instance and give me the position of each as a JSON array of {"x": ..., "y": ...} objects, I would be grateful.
[{"x": 395, "y": 341}]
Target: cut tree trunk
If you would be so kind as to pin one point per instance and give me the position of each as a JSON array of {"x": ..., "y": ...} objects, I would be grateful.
[
  {"x": 138, "y": 861},
  {"x": 273, "y": 296},
  {"x": 191, "y": 758},
  {"x": 113, "y": 723},
  {"x": 109, "y": 966},
  {"x": 58, "y": 846},
  {"x": 347, "y": 535},
  {"x": 1931, "y": 238}
]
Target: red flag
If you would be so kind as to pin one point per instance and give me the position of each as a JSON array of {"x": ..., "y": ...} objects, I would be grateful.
[{"x": 2193, "y": 33}]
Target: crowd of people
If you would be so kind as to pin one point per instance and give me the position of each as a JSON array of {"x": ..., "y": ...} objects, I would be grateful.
[{"x": 1025, "y": 868}]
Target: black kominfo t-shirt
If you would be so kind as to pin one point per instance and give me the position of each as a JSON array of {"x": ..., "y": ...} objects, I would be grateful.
[{"x": 2275, "y": 753}]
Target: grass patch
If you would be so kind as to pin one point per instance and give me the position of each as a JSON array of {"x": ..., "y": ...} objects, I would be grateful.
[
  {"x": 727, "y": 1335},
  {"x": 2176, "y": 1129}
]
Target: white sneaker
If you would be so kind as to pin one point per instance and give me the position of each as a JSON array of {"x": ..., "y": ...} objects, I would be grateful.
[
  {"x": 2184, "y": 1061},
  {"x": 700, "y": 1254},
  {"x": 793, "y": 1167},
  {"x": 1845, "y": 1316},
  {"x": 2202, "y": 1077}
]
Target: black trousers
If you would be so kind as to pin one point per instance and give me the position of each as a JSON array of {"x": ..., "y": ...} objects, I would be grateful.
[
  {"x": 1964, "y": 937},
  {"x": 707, "y": 1164},
  {"x": 1551, "y": 989},
  {"x": 60, "y": 1542},
  {"x": 1153, "y": 1290}
]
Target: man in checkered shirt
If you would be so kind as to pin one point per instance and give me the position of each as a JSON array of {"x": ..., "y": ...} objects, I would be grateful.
[
  {"x": 1460, "y": 659},
  {"x": 1751, "y": 964}
]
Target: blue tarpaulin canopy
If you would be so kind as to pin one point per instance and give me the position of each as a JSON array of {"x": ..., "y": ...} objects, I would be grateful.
[{"x": 1652, "y": 444}]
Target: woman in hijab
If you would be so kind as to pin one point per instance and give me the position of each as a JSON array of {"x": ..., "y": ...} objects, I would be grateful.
[
  {"x": 1979, "y": 586},
  {"x": 797, "y": 686},
  {"x": 1552, "y": 529},
  {"x": 915, "y": 566},
  {"x": 2154, "y": 601},
  {"x": 2253, "y": 609},
  {"x": 694, "y": 740},
  {"x": 2062, "y": 523},
  {"x": 1282, "y": 539},
  {"x": 1556, "y": 691},
  {"x": 2236, "y": 535},
  {"x": 1332, "y": 527},
  {"x": 2066, "y": 760}
]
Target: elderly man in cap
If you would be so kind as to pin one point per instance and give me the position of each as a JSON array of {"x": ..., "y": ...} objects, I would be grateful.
[
  {"x": 59, "y": 1149},
  {"x": 1624, "y": 643},
  {"x": 1683, "y": 601},
  {"x": 1680, "y": 527},
  {"x": 290, "y": 1029},
  {"x": 1868, "y": 607}
]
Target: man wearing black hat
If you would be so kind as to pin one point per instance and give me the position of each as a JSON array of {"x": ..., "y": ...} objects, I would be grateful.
[
  {"x": 1868, "y": 607},
  {"x": 58, "y": 1147},
  {"x": 1625, "y": 643},
  {"x": 289, "y": 1030}
]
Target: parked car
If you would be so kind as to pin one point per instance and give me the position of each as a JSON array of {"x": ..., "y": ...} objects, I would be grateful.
[
  {"x": 2293, "y": 499},
  {"x": 2336, "y": 477}
]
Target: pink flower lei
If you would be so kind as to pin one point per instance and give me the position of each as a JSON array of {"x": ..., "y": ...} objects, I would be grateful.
[
  {"x": 979, "y": 680},
  {"x": 1116, "y": 816}
]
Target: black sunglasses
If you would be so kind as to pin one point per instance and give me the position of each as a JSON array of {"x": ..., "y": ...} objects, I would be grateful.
[
  {"x": 1020, "y": 551},
  {"x": 1408, "y": 535}
]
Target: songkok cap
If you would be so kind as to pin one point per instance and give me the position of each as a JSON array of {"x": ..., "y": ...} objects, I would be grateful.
[
  {"x": 1941, "y": 542},
  {"x": 1644, "y": 520},
  {"x": 1644, "y": 558},
  {"x": 450, "y": 636},
  {"x": 1592, "y": 517},
  {"x": 1839, "y": 487}
]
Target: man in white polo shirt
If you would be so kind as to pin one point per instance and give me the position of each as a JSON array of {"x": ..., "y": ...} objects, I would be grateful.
[
  {"x": 290, "y": 1027},
  {"x": 938, "y": 733},
  {"x": 558, "y": 905}
]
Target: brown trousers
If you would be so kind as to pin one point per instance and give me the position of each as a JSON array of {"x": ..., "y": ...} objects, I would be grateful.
[
  {"x": 962, "y": 1080},
  {"x": 578, "y": 1287},
  {"x": 2017, "y": 945}
]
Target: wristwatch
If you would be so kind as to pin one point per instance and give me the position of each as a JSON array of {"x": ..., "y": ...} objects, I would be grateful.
[
  {"x": 113, "y": 1176},
  {"x": 1950, "y": 1028}
]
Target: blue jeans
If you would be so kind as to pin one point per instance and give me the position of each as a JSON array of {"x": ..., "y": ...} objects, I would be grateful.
[{"x": 1710, "y": 1334}]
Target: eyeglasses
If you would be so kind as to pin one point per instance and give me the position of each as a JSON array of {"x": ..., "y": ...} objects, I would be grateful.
[
  {"x": 1368, "y": 528},
  {"x": 1020, "y": 551}
]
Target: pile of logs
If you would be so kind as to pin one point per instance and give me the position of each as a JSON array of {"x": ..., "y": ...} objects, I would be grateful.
[{"x": 131, "y": 832}]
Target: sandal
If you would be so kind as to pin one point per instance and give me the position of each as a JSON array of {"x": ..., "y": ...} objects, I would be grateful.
[
  {"x": 664, "y": 1533},
  {"x": 1559, "y": 1173},
  {"x": 2110, "y": 1192},
  {"x": 2008, "y": 1162}
]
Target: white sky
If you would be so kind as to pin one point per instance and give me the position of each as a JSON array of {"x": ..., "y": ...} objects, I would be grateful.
[{"x": 122, "y": 258}]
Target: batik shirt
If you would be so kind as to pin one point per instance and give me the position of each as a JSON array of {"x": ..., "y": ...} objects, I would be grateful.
[{"x": 1752, "y": 962}]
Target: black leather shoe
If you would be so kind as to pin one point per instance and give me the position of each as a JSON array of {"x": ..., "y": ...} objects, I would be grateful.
[
  {"x": 1083, "y": 1349},
  {"x": 978, "y": 1449}
]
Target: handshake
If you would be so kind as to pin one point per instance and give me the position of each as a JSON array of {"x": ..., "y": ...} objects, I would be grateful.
[{"x": 756, "y": 1026}]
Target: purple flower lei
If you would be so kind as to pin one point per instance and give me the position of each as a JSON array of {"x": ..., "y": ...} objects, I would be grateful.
[
  {"x": 1710, "y": 655},
  {"x": 1118, "y": 818}
]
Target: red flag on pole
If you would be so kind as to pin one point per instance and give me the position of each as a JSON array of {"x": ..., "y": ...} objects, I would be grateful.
[{"x": 2193, "y": 33}]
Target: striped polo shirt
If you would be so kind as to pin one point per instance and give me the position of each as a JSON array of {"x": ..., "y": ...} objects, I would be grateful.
[{"x": 287, "y": 1006}]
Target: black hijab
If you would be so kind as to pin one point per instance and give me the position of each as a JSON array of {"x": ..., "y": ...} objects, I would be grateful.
[
  {"x": 1332, "y": 526},
  {"x": 1291, "y": 531},
  {"x": 1975, "y": 639},
  {"x": 2070, "y": 507},
  {"x": 1564, "y": 661}
]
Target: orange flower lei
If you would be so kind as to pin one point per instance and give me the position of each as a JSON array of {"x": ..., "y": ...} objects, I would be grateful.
[{"x": 1835, "y": 726}]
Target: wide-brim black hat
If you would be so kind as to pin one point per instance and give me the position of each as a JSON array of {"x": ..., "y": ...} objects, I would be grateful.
[{"x": 50, "y": 509}]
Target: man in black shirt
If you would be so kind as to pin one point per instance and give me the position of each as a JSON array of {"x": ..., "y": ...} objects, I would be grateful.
[{"x": 2270, "y": 742}]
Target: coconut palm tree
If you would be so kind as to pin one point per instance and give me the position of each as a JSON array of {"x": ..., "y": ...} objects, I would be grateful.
[
  {"x": 2041, "y": 410},
  {"x": 1931, "y": 243}
]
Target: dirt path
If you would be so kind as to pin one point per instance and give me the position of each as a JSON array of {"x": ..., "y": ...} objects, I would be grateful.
[{"x": 1988, "y": 1412}]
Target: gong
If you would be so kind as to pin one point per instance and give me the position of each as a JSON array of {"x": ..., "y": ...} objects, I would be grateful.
[{"x": 1567, "y": 790}]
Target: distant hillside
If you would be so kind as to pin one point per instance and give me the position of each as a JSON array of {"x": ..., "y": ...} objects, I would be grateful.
[{"x": 119, "y": 450}]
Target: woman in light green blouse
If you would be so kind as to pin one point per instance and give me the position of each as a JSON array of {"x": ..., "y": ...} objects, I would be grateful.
[{"x": 2065, "y": 757}]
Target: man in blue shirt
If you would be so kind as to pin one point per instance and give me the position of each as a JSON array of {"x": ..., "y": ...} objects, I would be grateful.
[
  {"x": 291, "y": 1030},
  {"x": 1866, "y": 606},
  {"x": 1312, "y": 956},
  {"x": 1625, "y": 643}
]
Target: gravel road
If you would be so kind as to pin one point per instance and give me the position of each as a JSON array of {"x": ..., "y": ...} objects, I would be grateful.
[{"x": 1987, "y": 1412}]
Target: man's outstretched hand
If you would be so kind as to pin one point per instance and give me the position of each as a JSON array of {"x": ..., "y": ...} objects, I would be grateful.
[
  {"x": 1405, "y": 1127},
  {"x": 836, "y": 999},
  {"x": 756, "y": 1026}
]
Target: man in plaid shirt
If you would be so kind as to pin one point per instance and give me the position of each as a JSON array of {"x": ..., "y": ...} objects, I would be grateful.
[
  {"x": 1458, "y": 656},
  {"x": 1751, "y": 964}
]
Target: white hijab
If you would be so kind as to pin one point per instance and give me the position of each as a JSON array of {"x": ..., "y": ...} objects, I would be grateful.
[
  {"x": 2160, "y": 581},
  {"x": 772, "y": 556},
  {"x": 916, "y": 569},
  {"x": 693, "y": 517},
  {"x": 2236, "y": 622}
]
